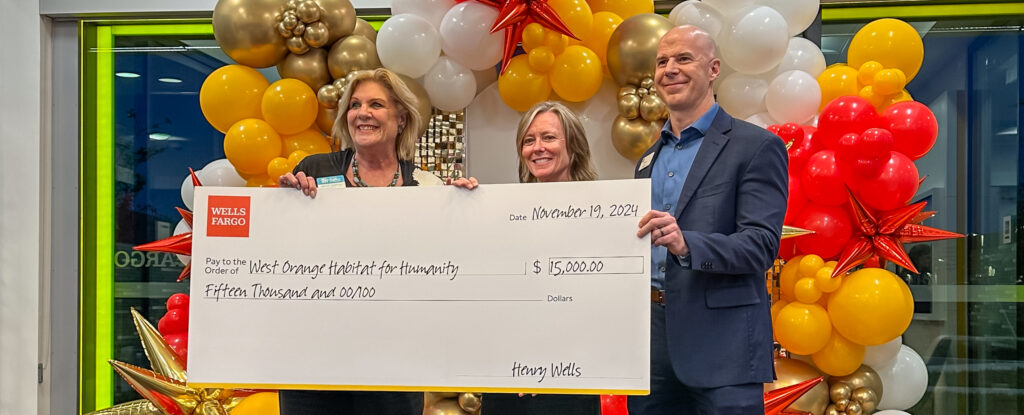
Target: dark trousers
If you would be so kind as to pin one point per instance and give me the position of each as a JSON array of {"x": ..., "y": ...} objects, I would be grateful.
[
  {"x": 298, "y": 402},
  {"x": 670, "y": 396},
  {"x": 513, "y": 404}
]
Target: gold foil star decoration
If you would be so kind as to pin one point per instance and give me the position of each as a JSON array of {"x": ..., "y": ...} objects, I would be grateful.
[{"x": 165, "y": 386}]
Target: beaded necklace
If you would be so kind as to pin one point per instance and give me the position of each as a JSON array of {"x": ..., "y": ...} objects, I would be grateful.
[{"x": 361, "y": 183}]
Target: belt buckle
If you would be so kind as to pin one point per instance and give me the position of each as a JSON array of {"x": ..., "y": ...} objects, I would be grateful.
[{"x": 657, "y": 296}]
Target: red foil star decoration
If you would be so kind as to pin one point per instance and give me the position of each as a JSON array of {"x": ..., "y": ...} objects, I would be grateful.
[
  {"x": 776, "y": 401},
  {"x": 884, "y": 236},
  {"x": 514, "y": 15},
  {"x": 177, "y": 244}
]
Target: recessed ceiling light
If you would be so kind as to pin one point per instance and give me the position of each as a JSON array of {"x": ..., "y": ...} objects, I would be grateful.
[
  {"x": 126, "y": 75},
  {"x": 169, "y": 80},
  {"x": 159, "y": 136}
]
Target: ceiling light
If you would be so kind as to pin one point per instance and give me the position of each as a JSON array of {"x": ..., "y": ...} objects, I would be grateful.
[
  {"x": 126, "y": 75},
  {"x": 159, "y": 136},
  {"x": 169, "y": 80}
]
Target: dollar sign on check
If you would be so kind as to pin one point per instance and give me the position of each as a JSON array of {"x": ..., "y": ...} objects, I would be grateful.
[{"x": 536, "y": 267}]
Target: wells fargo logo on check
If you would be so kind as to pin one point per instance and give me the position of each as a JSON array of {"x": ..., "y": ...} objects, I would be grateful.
[
  {"x": 540, "y": 288},
  {"x": 228, "y": 216}
]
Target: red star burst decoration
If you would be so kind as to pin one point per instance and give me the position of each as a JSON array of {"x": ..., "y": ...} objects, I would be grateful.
[
  {"x": 514, "y": 15},
  {"x": 776, "y": 401},
  {"x": 177, "y": 244},
  {"x": 885, "y": 235}
]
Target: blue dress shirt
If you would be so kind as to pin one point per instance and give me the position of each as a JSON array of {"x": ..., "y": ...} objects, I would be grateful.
[{"x": 668, "y": 175}]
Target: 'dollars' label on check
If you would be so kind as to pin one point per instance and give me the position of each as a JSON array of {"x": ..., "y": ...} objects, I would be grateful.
[{"x": 503, "y": 288}]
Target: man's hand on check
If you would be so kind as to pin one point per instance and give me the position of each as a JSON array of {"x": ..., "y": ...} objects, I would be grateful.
[{"x": 664, "y": 232}]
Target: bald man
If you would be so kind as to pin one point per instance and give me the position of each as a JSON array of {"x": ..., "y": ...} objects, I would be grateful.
[{"x": 718, "y": 190}]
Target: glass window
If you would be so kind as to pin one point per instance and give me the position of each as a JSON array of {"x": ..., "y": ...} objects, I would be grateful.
[{"x": 967, "y": 302}]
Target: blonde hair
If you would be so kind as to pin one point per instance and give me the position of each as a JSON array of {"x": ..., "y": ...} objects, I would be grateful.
[
  {"x": 580, "y": 168},
  {"x": 400, "y": 95}
]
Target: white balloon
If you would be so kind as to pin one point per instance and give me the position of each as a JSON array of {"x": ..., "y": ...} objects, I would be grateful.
[
  {"x": 799, "y": 14},
  {"x": 431, "y": 10},
  {"x": 891, "y": 412},
  {"x": 802, "y": 55},
  {"x": 451, "y": 86},
  {"x": 793, "y": 96},
  {"x": 742, "y": 95},
  {"x": 727, "y": 7},
  {"x": 220, "y": 173},
  {"x": 179, "y": 229},
  {"x": 466, "y": 36},
  {"x": 755, "y": 40},
  {"x": 408, "y": 44},
  {"x": 904, "y": 380},
  {"x": 188, "y": 191},
  {"x": 485, "y": 78},
  {"x": 883, "y": 354},
  {"x": 693, "y": 12},
  {"x": 761, "y": 119}
]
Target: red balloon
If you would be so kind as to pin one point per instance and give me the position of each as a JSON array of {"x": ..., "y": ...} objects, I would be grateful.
[
  {"x": 801, "y": 150},
  {"x": 787, "y": 248},
  {"x": 178, "y": 343},
  {"x": 796, "y": 201},
  {"x": 178, "y": 302},
  {"x": 175, "y": 321},
  {"x": 913, "y": 127},
  {"x": 790, "y": 132},
  {"x": 832, "y": 228},
  {"x": 895, "y": 185},
  {"x": 821, "y": 181},
  {"x": 862, "y": 156},
  {"x": 844, "y": 115},
  {"x": 613, "y": 405}
]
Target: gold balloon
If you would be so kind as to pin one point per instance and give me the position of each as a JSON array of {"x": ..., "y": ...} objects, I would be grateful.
[
  {"x": 842, "y": 404},
  {"x": 831, "y": 410},
  {"x": 471, "y": 402},
  {"x": 351, "y": 54},
  {"x": 867, "y": 399},
  {"x": 296, "y": 46},
  {"x": 839, "y": 391},
  {"x": 652, "y": 108},
  {"x": 340, "y": 17},
  {"x": 642, "y": 92},
  {"x": 284, "y": 31},
  {"x": 290, "y": 21},
  {"x": 632, "y": 138},
  {"x": 864, "y": 377},
  {"x": 299, "y": 30},
  {"x": 627, "y": 90},
  {"x": 308, "y": 11},
  {"x": 791, "y": 372},
  {"x": 633, "y": 46},
  {"x": 316, "y": 34},
  {"x": 423, "y": 105},
  {"x": 325, "y": 120},
  {"x": 245, "y": 31},
  {"x": 629, "y": 106},
  {"x": 364, "y": 29},
  {"x": 328, "y": 96},
  {"x": 854, "y": 408},
  {"x": 444, "y": 407},
  {"x": 310, "y": 67},
  {"x": 647, "y": 83}
]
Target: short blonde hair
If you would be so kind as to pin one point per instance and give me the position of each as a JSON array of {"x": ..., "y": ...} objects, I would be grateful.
[
  {"x": 400, "y": 95},
  {"x": 580, "y": 168}
]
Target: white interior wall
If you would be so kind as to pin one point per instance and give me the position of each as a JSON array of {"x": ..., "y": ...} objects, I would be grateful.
[{"x": 20, "y": 187}]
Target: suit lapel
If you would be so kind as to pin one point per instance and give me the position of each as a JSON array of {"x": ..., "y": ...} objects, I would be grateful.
[{"x": 714, "y": 141}]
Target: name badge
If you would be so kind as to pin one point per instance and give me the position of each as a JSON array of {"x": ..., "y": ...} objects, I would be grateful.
[
  {"x": 646, "y": 161},
  {"x": 331, "y": 181}
]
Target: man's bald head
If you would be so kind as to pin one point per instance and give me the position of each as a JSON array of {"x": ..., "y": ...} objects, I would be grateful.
[{"x": 701, "y": 41}]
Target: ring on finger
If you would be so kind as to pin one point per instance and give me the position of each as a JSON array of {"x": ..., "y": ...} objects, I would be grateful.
[{"x": 660, "y": 233}]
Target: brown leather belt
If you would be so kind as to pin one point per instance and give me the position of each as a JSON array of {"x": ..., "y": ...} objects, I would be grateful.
[{"x": 657, "y": 296}]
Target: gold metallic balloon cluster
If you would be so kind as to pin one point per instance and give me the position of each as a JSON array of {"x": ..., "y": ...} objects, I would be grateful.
[
  {"x": 854, "y": 394},
  {"x": 452, "y": 403},
  {"x": 632, "y": 48},
  {"x": 299, "y": 24}
]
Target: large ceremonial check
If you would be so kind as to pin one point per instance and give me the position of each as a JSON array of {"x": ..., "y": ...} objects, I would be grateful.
[{"x": 505, "y": 288}]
